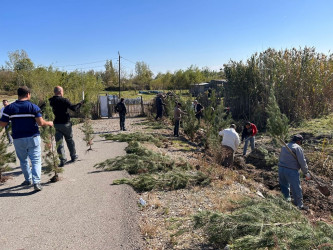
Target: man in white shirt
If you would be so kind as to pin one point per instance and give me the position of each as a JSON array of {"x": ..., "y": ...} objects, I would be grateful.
[
  {"x": 10, "y": 139},
  {"x": 230, "y": 144}
]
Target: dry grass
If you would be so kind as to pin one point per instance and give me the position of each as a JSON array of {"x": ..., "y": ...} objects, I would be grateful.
[
  {"x": 154, "y": 201},
  {"x": 148, "y": 228},
  {"x": 229, "y": 202}
]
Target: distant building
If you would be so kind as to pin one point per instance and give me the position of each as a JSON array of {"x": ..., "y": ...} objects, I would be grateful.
[{"x": 196, "y": 89}]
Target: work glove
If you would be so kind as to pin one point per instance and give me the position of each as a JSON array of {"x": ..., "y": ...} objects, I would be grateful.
[{"x": 307, "y": 177}]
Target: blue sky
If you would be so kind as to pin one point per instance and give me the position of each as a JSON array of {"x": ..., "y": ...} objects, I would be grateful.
[{"x": 167, "y": 35}]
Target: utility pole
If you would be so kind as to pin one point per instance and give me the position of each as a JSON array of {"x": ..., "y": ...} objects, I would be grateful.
[{"x": 119, "y": 73}]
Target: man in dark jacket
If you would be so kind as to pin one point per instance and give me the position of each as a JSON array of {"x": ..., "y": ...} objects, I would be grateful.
[
  {"x": 121, "y": 108},
  {"x": 62, "y": 124},
  {"x": 249, "y": 131},
  {"x": 159, "y": 106},
  {"x": 198, "y": 109}
]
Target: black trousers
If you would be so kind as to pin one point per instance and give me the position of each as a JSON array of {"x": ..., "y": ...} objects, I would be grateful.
[
  {"x": 122, "y": 121},
  {"x": 176, "y": 129}
]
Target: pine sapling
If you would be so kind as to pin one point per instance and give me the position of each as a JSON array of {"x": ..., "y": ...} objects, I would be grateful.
[
  {"x": 277, "y": 123},
  {"x": 5, "y": 157},
  {"x": 51, "y": 158},
  {"x": 88, "y": 133}
]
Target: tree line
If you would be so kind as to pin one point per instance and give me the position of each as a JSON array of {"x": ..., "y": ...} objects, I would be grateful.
[
  {"x": 20, "y": 70},
  {"x": 300, "y": 79}
]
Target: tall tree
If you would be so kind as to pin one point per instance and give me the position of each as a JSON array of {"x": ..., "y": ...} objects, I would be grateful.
[
  {"x": 144, "y": 75},
  {"x": 19, "y": 60},
  {"x": 110, "y": 76}
]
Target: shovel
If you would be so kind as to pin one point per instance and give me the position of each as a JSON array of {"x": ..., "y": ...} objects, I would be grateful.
[{"x": 323, "y": 189}]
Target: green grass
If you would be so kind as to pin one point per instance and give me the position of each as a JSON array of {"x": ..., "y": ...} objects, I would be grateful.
[
  {"x": 320, "y": 126},
  {"x": 182, "y": 145},
  {"x": 146, "y": 97}
]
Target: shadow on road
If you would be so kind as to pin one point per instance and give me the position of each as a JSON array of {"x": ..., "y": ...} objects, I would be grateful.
[{"x": 13, "y": 191}]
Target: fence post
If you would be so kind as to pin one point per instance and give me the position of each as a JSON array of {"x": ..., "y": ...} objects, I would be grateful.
[{"x": 142, "y": 107}]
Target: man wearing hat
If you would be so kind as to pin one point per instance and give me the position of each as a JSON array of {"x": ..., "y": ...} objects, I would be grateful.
[{"x": 289, "y": 166}]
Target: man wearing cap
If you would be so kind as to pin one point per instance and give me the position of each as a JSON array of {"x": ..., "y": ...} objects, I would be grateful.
[
  {"x": 26, "y": 117},
  {"x": 289, "y": 166},
  {"x": 230, "y": 144}
]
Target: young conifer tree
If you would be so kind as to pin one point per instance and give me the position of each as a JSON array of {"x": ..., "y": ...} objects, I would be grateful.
[
  {"x": 277, "y": 123},
  {"x": 88, "y": 133},
  {"x": 87, "y": 127},
  {"x": 50, "y": 147},
  {"x": 5, "y": 157}
]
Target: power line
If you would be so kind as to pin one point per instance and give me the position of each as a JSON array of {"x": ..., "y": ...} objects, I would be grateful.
[
  {"x": 72, "y": 65},
  {"x": 128, "y": 60}
]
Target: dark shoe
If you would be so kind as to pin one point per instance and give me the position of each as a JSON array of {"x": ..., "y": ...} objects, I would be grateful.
[
  {"x": 26, "y": 183},
  {"x": 306, "y": 208},
  {"x": 74, "y": 158},
  {"x": 38, "y": 187},
  {"x": 124, "y": 129},
  {"x": 62, "y": 163}
]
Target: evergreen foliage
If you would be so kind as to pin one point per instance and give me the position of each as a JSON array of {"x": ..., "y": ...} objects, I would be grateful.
[
  {"x": 277, "y": 123},
  {"x": 5, "y": 157},
  {"x": 171, "y": 180},
  {"x": 189, "y": 121},
  {"x": 269, "y": 223},
  {"x": 88, "y": 133},
  {"x": 50, "y": 157},
  {"x": 135, "y": 137},
  {"x": 155, "y": 171},
  {"x": 141, "y": 160}
]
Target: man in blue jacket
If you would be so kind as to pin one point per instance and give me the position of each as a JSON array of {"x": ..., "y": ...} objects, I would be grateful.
[{"x": 25, "y": 118}]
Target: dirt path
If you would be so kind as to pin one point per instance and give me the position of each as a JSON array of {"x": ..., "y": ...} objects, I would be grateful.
[{"x": 82, "y": 211}]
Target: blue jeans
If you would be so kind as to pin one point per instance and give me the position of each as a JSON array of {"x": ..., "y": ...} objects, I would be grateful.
[
  {"x": 29, "y": 148},
  {"x": 9, "y": 137},
  {"x": 289, "y": 178},
  {"x": 251, "y": 139}
]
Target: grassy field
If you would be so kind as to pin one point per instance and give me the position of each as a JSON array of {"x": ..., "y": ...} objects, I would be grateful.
[
  {"x": 319, "y": 126},
  {"x": 146, "y": 97}
]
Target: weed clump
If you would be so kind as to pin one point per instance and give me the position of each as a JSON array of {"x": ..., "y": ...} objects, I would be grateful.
[{"x": 271, "y": 223}]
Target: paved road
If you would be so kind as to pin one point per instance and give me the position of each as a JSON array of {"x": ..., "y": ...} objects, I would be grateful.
[{"x": 82, "y": 211}]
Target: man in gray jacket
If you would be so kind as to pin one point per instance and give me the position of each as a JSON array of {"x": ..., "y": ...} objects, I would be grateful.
[{"x": 289, "y": 166}]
